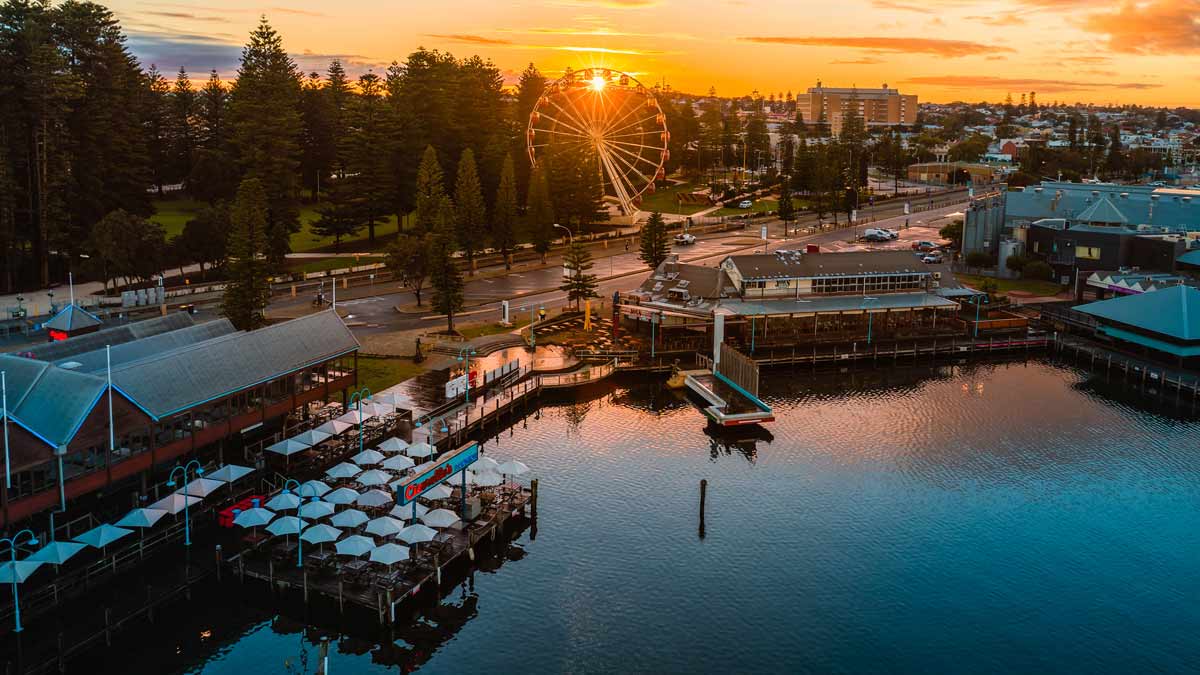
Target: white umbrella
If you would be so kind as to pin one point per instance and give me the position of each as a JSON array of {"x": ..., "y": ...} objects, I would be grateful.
[
  {"x": 334, "y": 427},
  {"x": 513, "y": 468},
  {"x": 201, "y": 487},
  {"x": 56, "y": 552},
  {"x": 439, "y": 491},
  {"x": 285, "y": 525},
  {"x": 230, "y": 473},
  {"x": 374, "y": 477},
  {"x": 352, "y": 417},
  {"x": 374, "y": 498},
  {"x": 389, "y": 554},
  {"x": 343, "y": 470},
  {"x": 384, "y": 526},
  {"x": 315, "y": 509},
  {"x": 312, "y": 437},
  {"x": 287, "y": 447},
  {"x": 398, "y": 463},
  {"x": 405, "y": 512},
  {"x": 392, "y": 444},
  {"x": 342, "y": 495},
  {"x": 141, "y": 518},
  {"x": 319, "y": 534},
  {"x": 349, "y": 518},
  {"x": 99, "y": 537},
  {"x": 367, "y": 457},
  {"x": 440, "y": 518},
  {"x": 485, "y": 478},
  {"x": 284, "y": 501},
  {"x": 17, "y": 572},
  {"x": 313, "y": 488},
  {"x": 417, "y": 533},
  {"x": 255, "y": 517},
  {"x": 355, "y": 545},
  {"x": 485, "y": 464},
  {"x": 387, "y": 398},
  {"x": 174, "y": 503},
  {"x": 377, "y": 409},
  {"x": 419, "y": 450}
]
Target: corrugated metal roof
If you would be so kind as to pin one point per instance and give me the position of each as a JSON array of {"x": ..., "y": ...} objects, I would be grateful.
[
  {"x": 1172, "y": 311},
  {"x": 171, "y": 381},
  {"x": 836, "y": 303},
  {"x": 1150, "y": 342},
  {"x": 774, "y": 266},
  {"x": 1138, "y": 204},
  {"x": 94, "y": 361},
  {"x": 57, "y": 351},
  {"x": 72, "y": 317},
  {"x": 49, "y": 402},
  {"x": 1190, "y": 258},
  {"x": 1102, "y": 211}
]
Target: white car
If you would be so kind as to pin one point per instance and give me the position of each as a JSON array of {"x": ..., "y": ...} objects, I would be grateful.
[
  {"x": 932, "y": 258},
  {"x": 891, "y": 234},
  {"x": 745, "y": 204},
  {"x": 685, "y": 239}
]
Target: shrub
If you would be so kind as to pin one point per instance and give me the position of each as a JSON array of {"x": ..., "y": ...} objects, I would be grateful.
[
  {"x": 1037, "y": 270},
  {"x": 1016, "y": 262},
  {"x": 978, "y": 259}
]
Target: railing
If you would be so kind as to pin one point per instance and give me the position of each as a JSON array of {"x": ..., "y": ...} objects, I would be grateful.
[{"x": 589, "y": 374}]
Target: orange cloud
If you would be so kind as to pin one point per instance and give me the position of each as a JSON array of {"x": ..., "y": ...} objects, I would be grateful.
[
  {"x": 464, "y": 38},
  {"x": 1160, "y": 27},
  {"x": 865, "y": 61},
  {"x": 1000, "y": 19},
  {"x": 947, "y": 48},
  {"x": 1020, "y": 83}
]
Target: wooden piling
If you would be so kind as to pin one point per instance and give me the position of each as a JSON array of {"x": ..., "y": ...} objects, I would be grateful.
[
  {"x": 703, "y": 499},
  {"x": 533, "y": 497},
  {"x": 218, "y": 554}
]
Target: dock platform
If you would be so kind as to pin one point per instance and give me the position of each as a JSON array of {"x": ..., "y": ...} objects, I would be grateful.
[{"x": 729, "y": 404}]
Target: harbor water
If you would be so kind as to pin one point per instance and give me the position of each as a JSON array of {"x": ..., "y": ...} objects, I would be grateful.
[{"x": 983, "y": 518}]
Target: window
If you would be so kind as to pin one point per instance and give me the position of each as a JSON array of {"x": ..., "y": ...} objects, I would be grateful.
[
  {"x": 782, "y": 284},
  {"x": 1087, "y": 252}
]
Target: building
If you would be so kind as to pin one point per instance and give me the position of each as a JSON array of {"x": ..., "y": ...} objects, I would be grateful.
[
  {"x": 71, "y": 321},
  {"x": 1162, "y": 323},
  {"x": 198, "y": 390},
  {"x": 881, "y": 107},
  {"x": 952, "y": 173}
]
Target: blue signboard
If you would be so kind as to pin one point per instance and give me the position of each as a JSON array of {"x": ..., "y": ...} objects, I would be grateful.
[{"x": 434, "y": 473}]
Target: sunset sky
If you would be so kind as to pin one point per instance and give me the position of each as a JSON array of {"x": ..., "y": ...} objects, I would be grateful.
[{"x": 942, "y": 50}]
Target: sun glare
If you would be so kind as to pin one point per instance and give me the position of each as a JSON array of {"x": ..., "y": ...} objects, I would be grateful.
[{"x": 598, "y": 83}]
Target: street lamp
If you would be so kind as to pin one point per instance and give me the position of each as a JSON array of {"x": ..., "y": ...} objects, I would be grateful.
[
  {"x": 12, "y": 545},
  {"x": 300, "y": 522},
  {"x": 464, "y": 356},
  {"x": 570, "y": 236},
  {"x": 977, "y": 301},
  {"x": 187, "y": 527},
  {"x": 357, "y": 398},
  {"x": 870, "y": 316},
  {"x": 533, "y": 333},
  {"x": 432, "y": 423}
]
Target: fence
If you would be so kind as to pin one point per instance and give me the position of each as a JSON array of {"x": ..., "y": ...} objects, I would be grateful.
[{"x": 739, "y": 368}]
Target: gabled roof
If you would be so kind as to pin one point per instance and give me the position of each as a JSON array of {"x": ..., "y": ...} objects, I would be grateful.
[
  {"x": 95, "y": 360},
  {"x": 1102, "y": 211},
  {"x": 798, "y": 265},
  {"x": 57, "y": 351},
  {"x": 1190, "y": 258},
  {"x": 49, "y": 402},
  {"x": 1173, "y": 311},
  {"x": 71, "y": 318}
]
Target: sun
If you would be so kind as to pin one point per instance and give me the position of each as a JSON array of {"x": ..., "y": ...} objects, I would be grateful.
[{"x": 597, "y": 83}]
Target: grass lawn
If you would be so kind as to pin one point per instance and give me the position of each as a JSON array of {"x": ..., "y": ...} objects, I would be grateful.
[
  {"x": 378, "y": 374},
  {"x": 173, "y": 214},
  {"x": 1034, "y": 286},
  {"x": 306, "y": 265},
  {"x": 471, "y": 332},
  {"x": 760, "y": 206},
  {"x": 663, "y": 201}
]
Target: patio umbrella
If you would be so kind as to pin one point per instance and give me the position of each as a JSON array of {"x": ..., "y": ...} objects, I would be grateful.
[
  {"x": 485, "y": 464},
  {"x": 484, "y": 478},
  {"x": 334, "y": 427},
  {"x": 285, "y": 525},
  {"x": 99, "y": 537},
  {"x": 287, "y": 447},
  {"x": 17, "y": 572},
  {"x": 174, "y": 503},
  {"x": 367, "y": 457},
  {"x": 312, "y": 437},
  {"x": 284, "y": 501},
  {"x": 389, "y": 554},
  {"x": 513, "y": 468},
  {"x": 374, "y": 477},
  {"x": 440, "y": 491},
  {"x": 392, "y": 444},
  {"x": 374, "y": 498},
  {"x": 349, "y": 518},
  {"x": 255, "y": 517},
  {"x": 230, "y": 473},
  {"x": 405, "y": 512},
  {"x": 141, "y": 518},
  {"x": 419, "y": 450},
  {"x": 343, "y": 470},
  {"x": 388, "y": 398},
  {"x": 56, "y": 552},
  {"x": 377, "y": 409},
  {"x": 440, "y": 518},
  {"x": 398, "y": 463},
  {"x": 313, "y": 488},
  {"x": 315, "y": 509},
  {"x": 355, "y": 545},
  {"x": 352, "y": 417},
  {"x": 342, "y": 495},
  {"x": 384, "y": 526},
  {"x": 417, "y": 533},
  {"x": 201, "y": 487},
  {"x": 319, "y": 534}
]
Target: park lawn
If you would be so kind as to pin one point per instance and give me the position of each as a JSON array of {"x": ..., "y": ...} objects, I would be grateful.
[
  {"x": 760, "y": 206},
  {"x": 173, "y": 214},
  {"x": 1035, "y": 286},
  {"x": 472, "y": 332},
  {"x": 378, "y": 373},
  {"x": 663, "y": 201},
  {"x": 307, "y": 265}
]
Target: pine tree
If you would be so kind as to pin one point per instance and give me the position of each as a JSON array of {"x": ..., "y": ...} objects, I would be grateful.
[
  {"x": 539, "y": 212},
  {"x": 318, "y": 144},
  {"x": 429, "y": 192},
  {"x": 504, "y": 212},
  {"x": 368, "y": 155},
  {"x": 214, "y": 104},
  {"x": 157, "y": 123},
  {"x": 471, "y": 211},
  {"x": 409, "y": 258},
  {"x": 182, "y": 130},
  {"x": 444, "y": 275},
  {"x": 249, "y": 288},
  {"x": 787, "y": 209},
  {"x": 340, "y": 214},
  {"x": 654, "y": 246},
  {"x": 578, "y": 284}
]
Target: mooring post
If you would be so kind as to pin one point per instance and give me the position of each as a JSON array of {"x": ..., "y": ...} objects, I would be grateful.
[
  {"x": 218, "y": 553},
  {"x": 108, "y": 626},
  {"x": 304, "y": 576},
  {"x": 391, "y": 607},
  {"x": 437, "y": 566},
  {"x": 533, "y": 496},
  {"x": 271, "y": 572},
  {"x": 703, "y": 499},
  {"x": 341, "y": 605}
]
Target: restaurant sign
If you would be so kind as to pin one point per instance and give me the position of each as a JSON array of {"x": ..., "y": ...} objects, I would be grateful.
[{"x": 434, "y": 473}]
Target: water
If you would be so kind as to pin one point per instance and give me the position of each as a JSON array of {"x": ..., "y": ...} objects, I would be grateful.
[{"x": 987, "y": 519}]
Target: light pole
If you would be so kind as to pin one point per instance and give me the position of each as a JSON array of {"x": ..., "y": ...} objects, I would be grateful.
[
  {"x": 978, "y": 300},
  {"x": 429, "y": 434},
  {"x": 570, "y": 236},
  {"x": 357, "y": 399},
  {"x": 300, "y": 522},
  {"x": 12, "y": 545},
  {"x": 4, "y": 414},
  {"x": 870, "y": 316},
  {"x": 464, "y": 355},
  {"x": 187, "y": 526}
]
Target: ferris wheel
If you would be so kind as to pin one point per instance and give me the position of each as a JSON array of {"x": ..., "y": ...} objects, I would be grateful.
[{"x": 610, "y": 115}]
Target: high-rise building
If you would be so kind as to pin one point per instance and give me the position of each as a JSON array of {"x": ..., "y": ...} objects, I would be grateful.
[{"x": 877, "y": 107}]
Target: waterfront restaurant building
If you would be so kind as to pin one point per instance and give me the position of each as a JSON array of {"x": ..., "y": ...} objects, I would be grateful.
[
  {"x": 179, "y": 390},
  {"x": 1163, "y": 323}
]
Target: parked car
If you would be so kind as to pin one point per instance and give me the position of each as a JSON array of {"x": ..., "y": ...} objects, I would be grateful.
[
  {"x": 872, "y": 234},
  {"x": 923, "y": 246},
  {"x": 685, "y": 239},
  {"x": 933, "y": 257},
  {"x": 745, "y": 204},
  {"x": 891, "y": 234}
]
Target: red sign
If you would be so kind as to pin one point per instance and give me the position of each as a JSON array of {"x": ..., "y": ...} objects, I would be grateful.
[{"x": 57, "y": 335}]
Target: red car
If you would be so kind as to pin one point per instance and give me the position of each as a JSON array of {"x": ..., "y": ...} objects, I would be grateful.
[{"x": 923, "y": 246}]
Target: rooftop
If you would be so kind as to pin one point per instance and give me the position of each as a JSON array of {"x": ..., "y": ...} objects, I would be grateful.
[
  {"x": 72, "y": 318},
  {"x": 837, "y": 303},
  {"x": 791, "y": 265},
  {"x": 1173, "y": 312}
]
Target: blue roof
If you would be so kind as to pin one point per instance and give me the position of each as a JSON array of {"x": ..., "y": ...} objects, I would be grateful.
[
  {"x": 1138, "y": 204},
  {"x": 1190, "y": 258},
  {"x": 96, "y": 361},
  {"x": 1172, "y": 311},
  {"x": 72, "y": 317},
  {"x": 1102, "y": 211},
  {"x": 1146, "y": 341},
  {"x": 49, "y": 402}
]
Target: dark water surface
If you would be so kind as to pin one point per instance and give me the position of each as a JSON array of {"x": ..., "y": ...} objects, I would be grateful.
[{"x": 1001, "y": 518}]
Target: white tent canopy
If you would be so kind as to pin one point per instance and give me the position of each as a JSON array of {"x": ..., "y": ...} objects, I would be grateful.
[
  {"x": 439, "y": 491},
  {"x": 334, "y": 427},
  {"x": 398, "y": 463},
  {"x": 513, "y": 468},
  {"x": 384, "y": 526},
  {"x": 484, "y": 478},
  {"x": 201, "y": 487},
  {"x": 419, "y": 450},
  {"x": 230, "y": 473},
  {"x": 141, "y": 518},
  {"x": 103, "y": 535},
  {"x": 352, "y": 417},
  {"x": 316, "y": 509},
  {"x": 485, "y": 464},
  {"x": 287, "y": 447},
  {"x": 405, "y": 512},
  {"x": 440, "y": 518},
  {"x": 313, "y": 488},
  {"x": 374, "y": 498},
  {"x": 374, "y": 477},
  {"x": 392, "y": 444},
  {"x": 174, "y": 503},
  {"x": 312, "y": 437}
]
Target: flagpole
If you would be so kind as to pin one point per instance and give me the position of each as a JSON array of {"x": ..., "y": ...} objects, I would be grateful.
[
  {"x": 112, "y": 445},
  {"x": 71, "y": 283},
  {"x": 4, "y": 403}
]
